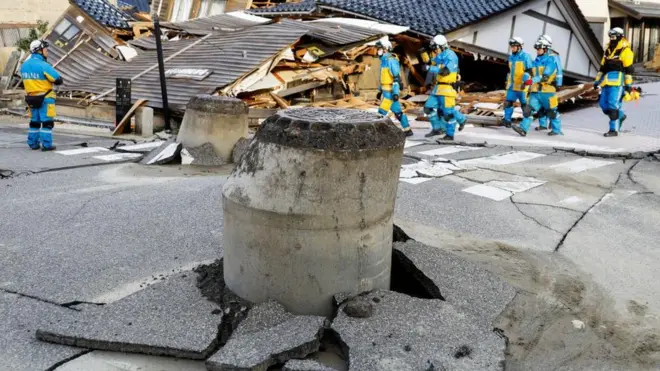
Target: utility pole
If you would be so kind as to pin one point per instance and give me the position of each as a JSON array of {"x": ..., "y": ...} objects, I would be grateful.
[{"x": 161, "y": 70}]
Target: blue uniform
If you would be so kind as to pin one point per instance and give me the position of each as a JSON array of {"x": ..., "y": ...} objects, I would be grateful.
[
  {"x": 543, "y": 118},
  {"x": 615, "y": 73},
  {"x": 520, "y": 65},
  {"x": 543, "y": 97},
  {"x": 390, "y": 77},
  {"x": 443, "y": 95},
  {"x": 38, "y": 79}
]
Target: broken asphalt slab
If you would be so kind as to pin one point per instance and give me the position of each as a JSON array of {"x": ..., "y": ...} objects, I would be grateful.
[
  {"x": 410, "y": 334},
  {"x": 19, "y": 349},
  {"x": 461, "y": 283},
  {"x": 140, "y": 147},
  {"x": 268, "y": 336},
  {"x": 306, "y": 365},
  {"x": 204, "y": 155},
  {"x": 170, "y": 318},
  {"x": 167, "y": 152}
]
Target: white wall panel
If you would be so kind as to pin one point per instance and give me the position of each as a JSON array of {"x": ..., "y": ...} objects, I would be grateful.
[
  {"x": 554, "y": 12},
  {"x": 560, "y": 38},
  {"x": 578, "y": 62},
  {"x": 495, "y": 35},
  {"x": 529, "y": 28}
]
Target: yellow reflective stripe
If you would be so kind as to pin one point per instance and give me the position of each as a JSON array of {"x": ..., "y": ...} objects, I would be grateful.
[
  {"x": 49, "y": 77},
  {"x": 386, "y": 77},
  {"x": 386, "y": 104},
  {"x": 386, "y": 87},
  {"x": 37, "y": 87}
]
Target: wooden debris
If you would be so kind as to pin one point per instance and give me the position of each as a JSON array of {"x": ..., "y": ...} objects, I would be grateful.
[{"x": 126, "y": 119}]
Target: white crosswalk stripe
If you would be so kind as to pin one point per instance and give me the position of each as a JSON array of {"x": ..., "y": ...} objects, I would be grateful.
[
  {"x": 580, "y": 165},
  {"x": 118, "y": 157},
  {"x": 81, "y": 151},
  {"x": 502, "y": 159},
  {"x": 447, "y": 150}
]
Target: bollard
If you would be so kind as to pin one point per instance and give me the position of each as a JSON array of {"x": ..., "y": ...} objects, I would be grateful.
[
  {"x": 221, "y": 121},
  {"x": 308, "y": 210}
]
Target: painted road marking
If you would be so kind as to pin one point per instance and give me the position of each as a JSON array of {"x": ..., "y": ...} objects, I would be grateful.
[
  {"x": 80, "y": 151},
  {"x": 447, "y": 150},
  {"x": 502, "y": 159},
  {"x": 580, "y": 165},
  {"x": 487, "y": 191},
  {"x": 415, "y": 180},
  {"x": 118, "y": 157},
  {"x": 141, "y": 146},
  {"x": 412, "y": 143},
  {"x": 516, "y": 187}
]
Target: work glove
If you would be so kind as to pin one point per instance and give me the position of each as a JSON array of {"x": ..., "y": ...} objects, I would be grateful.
[
  {"x": 379, "y": 95},
  {"x": 628, "y": 89},
  {"x": 596, "y": 85},
  {"x": 395, "y": 97}
]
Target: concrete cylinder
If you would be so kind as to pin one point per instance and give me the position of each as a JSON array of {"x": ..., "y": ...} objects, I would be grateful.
[
  {"x": 308, "y": 210},
  {"x": 221, "y": 121}
]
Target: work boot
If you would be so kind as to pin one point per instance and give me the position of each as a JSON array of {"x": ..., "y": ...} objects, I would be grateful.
[
  {"x": 519, "y": 130},
  {"x": 446, "y": 137},
  {"x": 44, "y": 149},
  {"x": 409, "y": 133},
  {"x": 611, "y": 133},
  {"x": 35, "y": 148},
  {"x": 461, "y": 127},
  {"x": 507, "y": 124},
  {"x": 553, "y": 133},
  {"x": 540, "y": 128},
  {"x": 434, "y": 133}
]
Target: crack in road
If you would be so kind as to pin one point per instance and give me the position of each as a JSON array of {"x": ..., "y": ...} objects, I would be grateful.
[
  {"x": 33, "y": 297},
  {"x": 563, "y": 239},
  {"x": 69, "y": 359},
  {"x": 531, "y": 217}
]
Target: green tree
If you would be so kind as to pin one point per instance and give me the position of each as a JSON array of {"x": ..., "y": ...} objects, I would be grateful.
[{"x": 35, "y": 33}]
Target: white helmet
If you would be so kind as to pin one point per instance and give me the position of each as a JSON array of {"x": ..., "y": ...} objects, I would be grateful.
[
  {"x": 616, "y": 32},
  {"x": 439, "y": 41},
  {"x": 547, "y": 38},
  {"x": 384, "y": 43},
  {"x": 38, "y": 45},
  {"x": 516, "y": 41}
]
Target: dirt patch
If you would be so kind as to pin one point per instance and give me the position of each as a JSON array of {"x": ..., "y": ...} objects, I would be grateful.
[{"x": 560, "y": 319}]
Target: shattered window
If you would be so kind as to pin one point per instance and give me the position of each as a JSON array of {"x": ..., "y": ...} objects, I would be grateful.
[
  {"x": 71, "y": 32},
  {"x": 212, "y": 7},
  {"x": 61, "y": 28}
]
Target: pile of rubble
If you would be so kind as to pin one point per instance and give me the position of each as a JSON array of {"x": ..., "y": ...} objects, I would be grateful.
[{"x": 440, "y": 319}]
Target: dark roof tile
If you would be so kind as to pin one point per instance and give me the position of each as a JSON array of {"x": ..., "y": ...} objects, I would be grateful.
[
  {"x": 104, "y": 13},
  {"x": 424, "y": 16}
]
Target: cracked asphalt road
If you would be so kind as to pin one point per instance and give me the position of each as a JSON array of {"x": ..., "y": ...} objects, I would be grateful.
[{"x": 76, "y": 230}]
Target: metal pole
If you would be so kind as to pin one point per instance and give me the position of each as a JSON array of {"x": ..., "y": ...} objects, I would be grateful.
[{"x": 161, "y": 70}]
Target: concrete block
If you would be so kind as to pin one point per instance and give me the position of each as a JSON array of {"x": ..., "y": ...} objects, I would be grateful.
[
  {"x": 239, "y": 149},
  {"x": 268, "y": 336},
  {"x": 144, "y": 121},
  {"x": 308, "y": 210},
  {"x": 166, "y": 153},
  {"x": 170, "y": 318},
  {"x": 221, "y": 121},
  {"x": 462, "y": 283},
  {"x": 406, "y": 333}
]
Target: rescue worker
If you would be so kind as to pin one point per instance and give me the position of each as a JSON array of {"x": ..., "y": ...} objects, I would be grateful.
[
  {"x": 520, "y": 70},
  {"x": 390, "y": 84},
  {"x": 38, "y": 79},
  {"x": 543, "y": 118},
  {"x": 441, "y": 105},
  {"x": 615, "y": 79},
  {"x": 543, "y": 91}
]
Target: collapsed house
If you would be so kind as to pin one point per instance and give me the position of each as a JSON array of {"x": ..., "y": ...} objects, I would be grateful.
[{"x": 310, "y": 53}]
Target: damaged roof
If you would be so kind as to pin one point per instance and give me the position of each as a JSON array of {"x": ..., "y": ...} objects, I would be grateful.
[
  {"x": 230, "y": 55},
  {"x": 637, "y": 9},
  {"x": 423, "y": 16},
  {"x": 139, "y": 5},
  {"x": 104, "y": 13}
]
